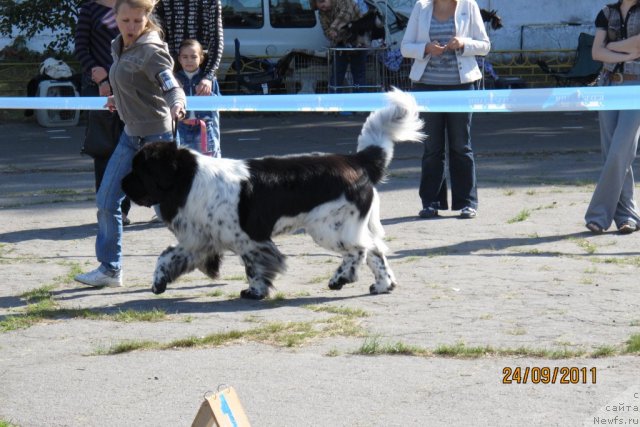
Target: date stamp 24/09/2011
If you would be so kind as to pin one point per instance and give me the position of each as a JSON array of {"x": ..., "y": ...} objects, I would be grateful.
[{"x": 549, "y": 375}]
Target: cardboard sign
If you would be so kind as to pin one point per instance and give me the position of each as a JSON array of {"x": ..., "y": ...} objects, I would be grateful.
[{"x": 222, "y": 409}]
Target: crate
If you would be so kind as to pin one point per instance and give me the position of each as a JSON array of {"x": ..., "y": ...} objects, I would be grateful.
[{"x": 53, "y": 118}]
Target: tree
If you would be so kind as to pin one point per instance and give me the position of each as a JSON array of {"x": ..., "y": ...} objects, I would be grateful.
[{"x": 32, "y": 17}]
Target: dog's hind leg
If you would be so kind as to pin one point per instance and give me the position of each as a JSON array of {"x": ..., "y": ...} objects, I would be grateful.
[
  {"x": 262, "y": 262},
  {"x": 210, "y": 265},
  {"x": 348, "y": 270},
  {"x": 376, "y": 260},
  {"x": 385, "y": 280},
  {"x": 172, "y": 263}
]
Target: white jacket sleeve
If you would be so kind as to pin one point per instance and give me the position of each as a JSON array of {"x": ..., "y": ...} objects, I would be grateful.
[
  {"x": 411, "y": 46},
  {"x": 477, "y": 42}
]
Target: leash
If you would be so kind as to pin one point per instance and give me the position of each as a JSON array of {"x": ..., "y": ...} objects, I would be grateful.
[
  {"x": 174, "y": 129},
  {"x": 203, "y": 133}
]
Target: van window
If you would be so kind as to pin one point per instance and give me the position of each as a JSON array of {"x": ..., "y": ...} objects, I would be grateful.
[
  {"x": 242, "y": 14},
  {"x": 291, "y": 14}
]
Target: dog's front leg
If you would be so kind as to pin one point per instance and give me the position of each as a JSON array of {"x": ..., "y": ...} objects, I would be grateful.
[{"x": 172, "y": 263}]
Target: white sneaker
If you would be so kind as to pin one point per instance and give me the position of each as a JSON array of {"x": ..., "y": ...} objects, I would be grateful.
[{"x": 98, "y": 279}]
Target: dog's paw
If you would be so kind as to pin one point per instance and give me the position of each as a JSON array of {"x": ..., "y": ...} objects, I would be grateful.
[
  {"x": 251, "y": 293},
  {"x": 375, "y": 290},
  {"x": 159, "y": 287},
  {"x": 336, "y": 285}
]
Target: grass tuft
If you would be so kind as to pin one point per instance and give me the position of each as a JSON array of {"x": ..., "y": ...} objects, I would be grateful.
[
  {"x": 282, "y": 334},
  {"x": 521, "y": 216},
  {"x": 373, "y": 347},
  {"x": 633, "y": 344},
  {"x": 604, "y": 351},
  {"x": 344, "y": 311}
]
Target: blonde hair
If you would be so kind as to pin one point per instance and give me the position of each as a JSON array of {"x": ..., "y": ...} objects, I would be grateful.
[{"x": 147, "y": 6}]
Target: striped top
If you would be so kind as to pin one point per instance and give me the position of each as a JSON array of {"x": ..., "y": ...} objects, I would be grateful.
[
  {"x": 443, "y": 69},
  {"x": 95, "y": 29},
  {"x": 193, "y": 19}
]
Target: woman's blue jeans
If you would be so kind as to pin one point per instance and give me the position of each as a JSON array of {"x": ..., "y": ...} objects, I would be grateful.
[
  {"x": 452, "y": 130},
  {"x": 110, "y": 195}
]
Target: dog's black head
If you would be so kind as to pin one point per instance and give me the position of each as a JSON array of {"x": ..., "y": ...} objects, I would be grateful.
[
  {"x": 161, "y": 173},
  {"x": 366, "y": 28},
  {"x": 491, "y": 16}
]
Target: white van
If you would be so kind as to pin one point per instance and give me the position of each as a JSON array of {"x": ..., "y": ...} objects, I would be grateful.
[
  {"x": 273, "y": 28},
  {"x": 270, "y": 28}
]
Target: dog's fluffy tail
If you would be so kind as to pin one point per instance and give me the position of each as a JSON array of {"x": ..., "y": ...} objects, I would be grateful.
[{"x": 397, "y": 122}]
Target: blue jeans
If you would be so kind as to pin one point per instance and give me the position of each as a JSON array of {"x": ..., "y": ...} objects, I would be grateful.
[
  {"x": 189, "y": 136},
  {"x": 454, "y": 129},
  {"x": 110, "y": 195}
]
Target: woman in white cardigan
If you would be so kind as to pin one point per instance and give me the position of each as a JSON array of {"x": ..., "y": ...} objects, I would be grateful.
[{"x": 444, "y": 37}]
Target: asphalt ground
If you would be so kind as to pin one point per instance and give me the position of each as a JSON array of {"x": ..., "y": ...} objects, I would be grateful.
[{"x": 523, "y": 285}]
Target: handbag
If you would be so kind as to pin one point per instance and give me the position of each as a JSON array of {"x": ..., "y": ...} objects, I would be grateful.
[{"x": 102, "y": 134}]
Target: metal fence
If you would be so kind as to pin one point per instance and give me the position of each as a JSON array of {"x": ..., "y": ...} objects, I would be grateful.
[{"x": 310, "y": 74}]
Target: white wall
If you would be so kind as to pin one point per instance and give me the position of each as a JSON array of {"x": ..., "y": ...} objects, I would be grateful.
[{"x": 536, "y": 24}]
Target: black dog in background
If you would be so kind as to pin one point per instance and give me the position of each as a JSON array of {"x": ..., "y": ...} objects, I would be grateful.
[
  {"x": 369, "y": 26},
  {"x": 491, "y": 16}
]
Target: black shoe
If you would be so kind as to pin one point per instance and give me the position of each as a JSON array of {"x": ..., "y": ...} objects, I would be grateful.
[
  {"x": 594, "y": 228},
  {"x": 125, "y": 220},
  {"x": 427, "y": 213}
]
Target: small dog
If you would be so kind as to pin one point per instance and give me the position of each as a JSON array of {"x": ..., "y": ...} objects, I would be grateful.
[
  {"x": 363, "y": 30},
  {"x": 215, "y": 205}
]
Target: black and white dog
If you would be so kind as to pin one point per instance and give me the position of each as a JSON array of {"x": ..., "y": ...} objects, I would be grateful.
[
  {"x": 363, "y": 30},
  {"x": 216, "y": 205}
]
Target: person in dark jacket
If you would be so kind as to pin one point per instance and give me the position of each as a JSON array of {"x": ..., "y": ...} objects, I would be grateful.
[{"x": 95, "y": 29}]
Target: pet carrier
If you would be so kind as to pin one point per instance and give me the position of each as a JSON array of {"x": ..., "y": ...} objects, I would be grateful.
[{"x": 52, "y": 118}]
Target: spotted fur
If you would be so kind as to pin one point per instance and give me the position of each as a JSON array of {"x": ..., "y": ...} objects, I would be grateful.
[{"x": 217, "y": 205}]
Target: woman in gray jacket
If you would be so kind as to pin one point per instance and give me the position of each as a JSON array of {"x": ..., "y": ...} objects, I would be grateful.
[
  {"x": 148, "y": 100},
  {"x": 444, "y": 37}
]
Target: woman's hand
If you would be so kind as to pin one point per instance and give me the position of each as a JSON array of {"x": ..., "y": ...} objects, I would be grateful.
[
  {"x": 204, "y": 87},
  {"x": 98, "y": 74},
  {"x": 111, "y": 104},
  {"x": 454, "y": 44},
  {"x": 178, "y": 112},
  {"x": 104, "y": 88},
  {"x": 632, "y": 52},
  {"x": 434, "y": 48}
]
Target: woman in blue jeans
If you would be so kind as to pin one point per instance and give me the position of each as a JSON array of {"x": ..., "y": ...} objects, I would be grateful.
[
  {"x": 617, "y": 45},
  {"x": 148, "y": 99},
  {"x": 444, "y": 37}
]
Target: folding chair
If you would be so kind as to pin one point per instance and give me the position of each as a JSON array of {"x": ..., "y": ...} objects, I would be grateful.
[{"x": 584, "y": 70}]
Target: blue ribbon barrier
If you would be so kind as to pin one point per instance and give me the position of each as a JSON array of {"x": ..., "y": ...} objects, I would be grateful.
[{"x": 479, "y": 101}]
